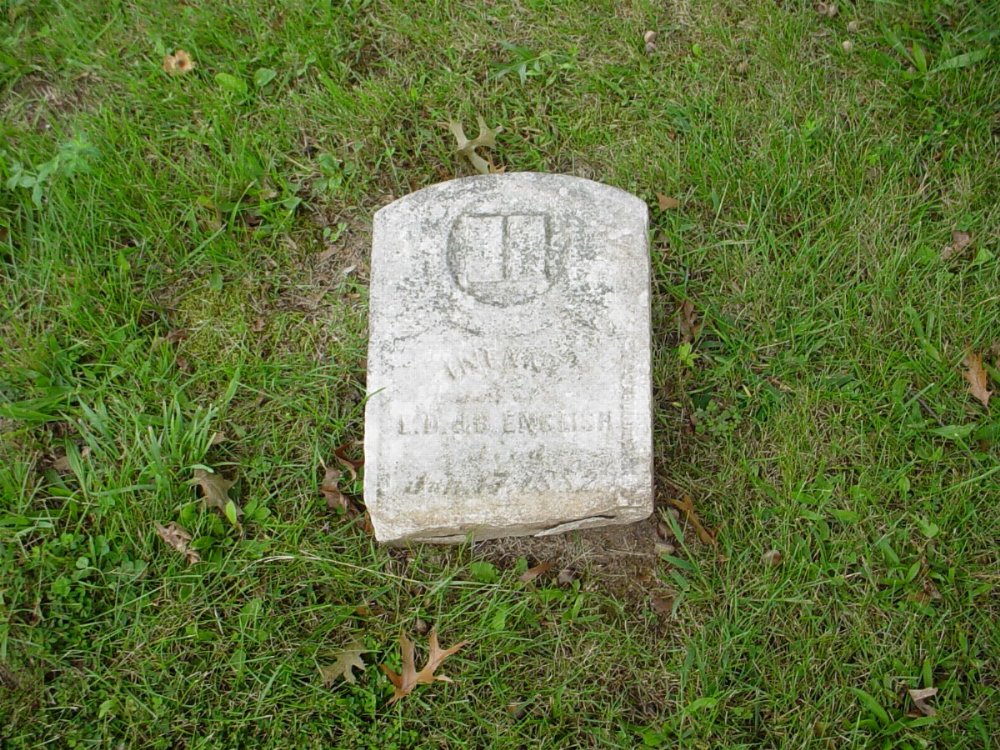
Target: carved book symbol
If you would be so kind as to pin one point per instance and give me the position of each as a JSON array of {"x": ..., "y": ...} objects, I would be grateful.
[{"x": 501, "y": 259}]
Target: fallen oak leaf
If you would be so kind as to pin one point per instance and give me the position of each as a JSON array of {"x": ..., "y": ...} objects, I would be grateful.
[
  {"x": 178, "y": 538},
  {"x": 215, "y": 494},
  {"x": 214, "y": 490},
  {"x": 331, "y": 491},
  {"x": 688, "y": 321},
  {"x": 667, "y": 202},
  {"x": 959, "y": 241},
  {"x": 409, "y": 678},
  {"x": 467, "y": 148},
  {"x": 919, "y": 698},
  {"x": 975, "y": 375},
  {"x": 686, "y": 506},
  {"x": 532, "y": 573},
  {"x": 344, "y": 665},
  {"x": 340, "y": 453},
  {"x": 341, "y": 501}
]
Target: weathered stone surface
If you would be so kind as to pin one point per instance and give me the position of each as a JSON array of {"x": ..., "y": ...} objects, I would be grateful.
[{"x": 509, "y": 360}]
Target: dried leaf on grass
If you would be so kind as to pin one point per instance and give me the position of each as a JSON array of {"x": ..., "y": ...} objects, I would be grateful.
[
  {"x": 344, "y": 665},
  {"x": 352, "y": 465},
  {"x": 62, "y": 463},
  {"x": 688, "y": 321},
  {"x": 339, "y": 500},
  {"x": 771, "y": 558},
  {"x": 920, "y": 697},
  {"x": 532, "y": 573},
  {"x": 959, "y": 241},
  {"x": 214, "y": 490},
  {"x": 686, "y": 506},
  {"x": 517, "y": 709},
  {"x": 929, "y": 593},
  {"x": 661, "y": 548},
  {"x": 667, "y": 202},
  {"x": 178, "y": 63},
  {"x": 410, "y": 677},
  {"x": 467, "y": 148},
  {"x": 330, "y": 487},
  {"x": 178, "y": 538},
  {"x": 662, "y": 604},
  {"x": 975, "y": 375}
]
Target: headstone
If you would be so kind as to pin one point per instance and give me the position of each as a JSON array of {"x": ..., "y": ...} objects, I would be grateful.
[{"x": 509, "y": 360}]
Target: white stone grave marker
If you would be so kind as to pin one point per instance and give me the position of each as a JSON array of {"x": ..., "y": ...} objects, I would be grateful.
[{"x": 509, "y": 360}]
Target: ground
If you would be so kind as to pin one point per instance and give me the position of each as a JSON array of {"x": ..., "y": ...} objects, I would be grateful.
[{"x": 183, "y": 257}]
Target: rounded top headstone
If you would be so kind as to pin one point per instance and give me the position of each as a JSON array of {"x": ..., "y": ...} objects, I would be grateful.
[{"x": 509, "y": 361}]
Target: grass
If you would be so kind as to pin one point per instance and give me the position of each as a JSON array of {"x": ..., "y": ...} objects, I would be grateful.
[{"x": 183, "y": 260}]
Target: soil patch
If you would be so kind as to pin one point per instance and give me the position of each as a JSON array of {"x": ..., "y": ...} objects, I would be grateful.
[
  {"x": 35, "y": 100},
  {"x": 620, "y": 560}
]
